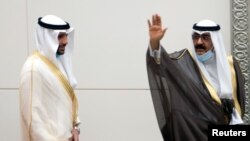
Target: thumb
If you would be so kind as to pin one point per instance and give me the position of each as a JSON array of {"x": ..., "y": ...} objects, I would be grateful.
[{"x": 164, "y": 30}]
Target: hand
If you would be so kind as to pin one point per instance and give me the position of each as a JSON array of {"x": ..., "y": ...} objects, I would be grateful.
[
  {"x": 75, "y": 135},
  {"x": 155, "y": 31}
]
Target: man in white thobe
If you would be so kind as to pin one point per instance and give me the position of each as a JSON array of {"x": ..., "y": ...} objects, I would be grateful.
[{"x": 48, "y": 105}]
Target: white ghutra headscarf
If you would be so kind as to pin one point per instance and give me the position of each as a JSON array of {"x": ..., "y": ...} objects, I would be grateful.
[
  {"x": 224, "y": 83},
  {"x": 47, "y": 32}
]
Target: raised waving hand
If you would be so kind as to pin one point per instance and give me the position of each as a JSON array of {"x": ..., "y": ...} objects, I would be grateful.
[{"x": 156, "y": 32}]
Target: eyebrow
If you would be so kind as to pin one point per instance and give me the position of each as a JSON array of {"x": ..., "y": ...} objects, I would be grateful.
[{"x": 206, "y": 33}]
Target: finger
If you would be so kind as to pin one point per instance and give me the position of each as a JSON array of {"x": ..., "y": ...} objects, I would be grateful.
[
  {"x": 149, "y": 24},
  {"x": 158, "y": 20},
  {"x": 164, "y": 30},
  {"x": 153, "y": 19}
]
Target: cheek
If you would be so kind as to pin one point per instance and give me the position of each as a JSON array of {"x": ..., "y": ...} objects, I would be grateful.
[
  {"x": 65, "y": 40},
  {"x": 208, "y": 46},
  {"x": 194, "y": 43},
  {"x": 60, "y": 42}
]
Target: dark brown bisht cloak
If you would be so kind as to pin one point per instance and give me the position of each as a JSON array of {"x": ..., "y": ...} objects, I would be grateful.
[{"x": 183, "y": 105}]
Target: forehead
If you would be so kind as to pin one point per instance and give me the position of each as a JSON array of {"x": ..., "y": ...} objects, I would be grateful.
[
  {"x": 62, "y": 34},
  {"x": 202, "y": 33}
]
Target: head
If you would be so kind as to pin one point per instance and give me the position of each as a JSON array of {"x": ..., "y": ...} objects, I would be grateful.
[
  {"x": 203, "y": 37},
  {"x": 55, "y": 40},
  {"x": 53, "y": 35},
  {"x": 202, "y": 42}
]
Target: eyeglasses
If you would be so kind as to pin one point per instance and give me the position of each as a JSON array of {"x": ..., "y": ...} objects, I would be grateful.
[{"x": 204, "y": 36}]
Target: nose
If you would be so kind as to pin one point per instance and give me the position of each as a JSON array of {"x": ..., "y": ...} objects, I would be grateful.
[
  {"x": 199, "y": 41},
  {"x": 64, "y": 40}
]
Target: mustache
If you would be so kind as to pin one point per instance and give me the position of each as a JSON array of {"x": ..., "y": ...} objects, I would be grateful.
[{"x": 200, "y": 47}]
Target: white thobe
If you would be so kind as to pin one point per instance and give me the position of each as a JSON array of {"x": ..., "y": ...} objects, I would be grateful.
[{"x": 46, "y": 108}]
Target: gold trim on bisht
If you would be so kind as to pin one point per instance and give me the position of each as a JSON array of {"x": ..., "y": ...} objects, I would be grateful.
[
  {"x": 64, "y": 82},
  {"x": 182, "y": 54},
  {"x": 211, "y": 90},
  {"x": 209, "y": 86},
  {"x": 234, "y": 85},
  {"x": 214, "y": 94}
]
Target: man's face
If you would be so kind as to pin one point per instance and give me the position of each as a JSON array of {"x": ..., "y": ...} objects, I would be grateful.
[
  {"x": 63, "y": 40},
  {"x": 202, "y": 42}
]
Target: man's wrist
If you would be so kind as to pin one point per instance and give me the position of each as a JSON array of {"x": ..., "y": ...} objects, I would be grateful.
[{"x": 154, "y": 45}]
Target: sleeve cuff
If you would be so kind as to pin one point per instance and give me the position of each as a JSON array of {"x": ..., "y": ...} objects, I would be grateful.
[{"x": 156, "y": 54}]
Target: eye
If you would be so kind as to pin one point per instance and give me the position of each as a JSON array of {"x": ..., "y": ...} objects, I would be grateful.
[
  {"x": 196, "y": 36},
  {"x": 205, "y": 37},
  {"x": 60, "y": 36}
]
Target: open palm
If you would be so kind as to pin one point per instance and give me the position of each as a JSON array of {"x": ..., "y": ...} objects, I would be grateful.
[{"x": 156, "y": 32}]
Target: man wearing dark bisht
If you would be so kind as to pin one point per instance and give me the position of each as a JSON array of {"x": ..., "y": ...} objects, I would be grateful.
[{"x": 191, "y": 90}]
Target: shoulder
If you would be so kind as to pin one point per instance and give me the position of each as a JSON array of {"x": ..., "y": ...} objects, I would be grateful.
[
  {"x": 179, "y": 54},
  {"x": 32, "y": 63}
]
